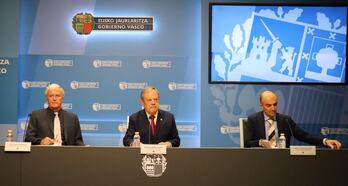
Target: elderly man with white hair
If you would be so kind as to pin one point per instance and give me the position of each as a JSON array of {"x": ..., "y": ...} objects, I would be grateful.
[{"x": 53, "y": 125}]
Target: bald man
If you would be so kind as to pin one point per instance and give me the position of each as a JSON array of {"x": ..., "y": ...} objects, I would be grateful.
[{"x": 264, "y": 128}]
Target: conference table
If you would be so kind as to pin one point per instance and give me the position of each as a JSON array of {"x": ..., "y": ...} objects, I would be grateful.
[{"x": 103, "y": 166}]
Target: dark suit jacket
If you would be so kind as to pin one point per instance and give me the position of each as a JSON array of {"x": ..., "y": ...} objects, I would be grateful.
[
  {"x": 165, "y": 129},
  {"x": 41, "y": 125},
  {"x": 255, "y": 130}
]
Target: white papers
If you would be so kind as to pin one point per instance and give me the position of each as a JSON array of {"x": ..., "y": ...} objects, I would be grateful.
[
  {"x": 17, "y": 147},
  {"x": 303, "y": 150},
  {"x": 153, "y": 149}
]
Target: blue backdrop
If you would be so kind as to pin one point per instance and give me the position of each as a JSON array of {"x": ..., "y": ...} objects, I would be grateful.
[{"x": 103, "y": 73}]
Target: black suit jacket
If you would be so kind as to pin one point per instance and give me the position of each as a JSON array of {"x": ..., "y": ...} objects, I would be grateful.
[
  {"x": 165, "y": 129},
  {"x": 41, "y": 125},
  {"x": 255, "y": 130}
]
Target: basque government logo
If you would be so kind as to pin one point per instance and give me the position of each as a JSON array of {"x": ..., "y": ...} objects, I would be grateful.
[{"x": 84, "y": 23}]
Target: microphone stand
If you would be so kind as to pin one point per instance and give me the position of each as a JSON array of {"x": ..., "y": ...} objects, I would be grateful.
[
  {"x": 26, "y": 126},
  {"x": 149, "y": 131},
  {"x": 289, "y": 126}
]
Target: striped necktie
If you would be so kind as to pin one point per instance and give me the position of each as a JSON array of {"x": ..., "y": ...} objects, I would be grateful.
[{"x": 271, "y": 132}]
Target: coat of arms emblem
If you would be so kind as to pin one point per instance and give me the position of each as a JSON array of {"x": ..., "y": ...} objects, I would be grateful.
[
  {"x": 83, "y": 23},
  {"x": 154, "y": 164}
]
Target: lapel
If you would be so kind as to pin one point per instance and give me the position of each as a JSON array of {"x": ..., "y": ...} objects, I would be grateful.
[
  {"x": 279, "y": 125},
  {"x": 263, "y": 129},
  {"x": 50, "y": 116},
  {"x": 159, "y": 122},
  {"x": 147, "y": 123},
  {"x": 65, "y": 126}
]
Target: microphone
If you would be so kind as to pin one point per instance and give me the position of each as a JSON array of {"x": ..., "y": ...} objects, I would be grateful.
[
  {"x": 289, "y": 126},
  {"x": 26, "y": 126},
  {"x": 149, "y": 132}
]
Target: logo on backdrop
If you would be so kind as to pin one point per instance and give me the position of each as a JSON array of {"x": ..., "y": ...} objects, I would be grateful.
[
  {"x": 124, "y": 85},
  {"x": 103, "y": 106},
  {"x": 122, "y": 127},
  {"x": 76, "y": 85},
  {"x": 327, "y": 131},
  {"x": 154, "y": 164},
  {"x": 165, "y": 107},
  {"x": 89, "y": 127},
  {"x": 225, "y": 129},
  {"x": 187, "y": 128},
  {"x": 34, "y": 84},
  {"x": 107, "y": 63},
  {"x": 84, "y": 23},
  {"x": 182, "y": 86},
  {"x": 157, "y": 64},
  {"x": 3, "y": 70},
  {"x": 58, "y": 63}
]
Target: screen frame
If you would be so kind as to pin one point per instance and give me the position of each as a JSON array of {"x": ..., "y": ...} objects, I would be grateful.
[{"x": 334, "y": 3}]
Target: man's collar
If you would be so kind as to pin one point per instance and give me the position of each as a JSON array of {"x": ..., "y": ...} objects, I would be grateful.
[
  {"x": 268, "y": 118},
  {"x": 52, "y": 111},
  {"x": 148, "y": 115}
]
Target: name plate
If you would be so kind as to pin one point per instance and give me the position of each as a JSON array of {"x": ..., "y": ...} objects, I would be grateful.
[
  {"x": 153, "y": 149},
  {"x": 17, "y": 147},
  {"x": 303, "y": 150}
]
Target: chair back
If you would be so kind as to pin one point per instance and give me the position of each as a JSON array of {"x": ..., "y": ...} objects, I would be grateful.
[{"x": 242, "y": 123}]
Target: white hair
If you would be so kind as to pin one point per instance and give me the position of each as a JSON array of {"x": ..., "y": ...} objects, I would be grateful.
[
  {"x": 149, "y": 88},
  {"x": 54, "y": 86}
]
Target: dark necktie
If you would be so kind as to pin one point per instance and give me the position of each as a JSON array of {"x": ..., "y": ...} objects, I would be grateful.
[{"x": 152, "y": 124}]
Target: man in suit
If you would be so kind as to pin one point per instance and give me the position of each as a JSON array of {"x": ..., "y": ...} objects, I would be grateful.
[
  {"x": 53, "y": 125},
  {"x": 264, "y": 128},
  {"x": 164, "y": 129}
]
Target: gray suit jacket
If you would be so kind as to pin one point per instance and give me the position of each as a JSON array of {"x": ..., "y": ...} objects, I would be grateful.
[
  {"x": 165, "y": 129},
  {"x": 41, "y": 125}
]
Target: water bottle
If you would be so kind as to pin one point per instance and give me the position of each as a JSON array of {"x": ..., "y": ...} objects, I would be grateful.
[
  {"x": 9, "y": 136},
  {"x": 136, "y": 140},
  {"x": 282, "y": 141}
]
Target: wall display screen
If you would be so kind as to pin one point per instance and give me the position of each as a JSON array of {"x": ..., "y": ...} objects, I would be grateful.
[{"x": 262, "y": 43}]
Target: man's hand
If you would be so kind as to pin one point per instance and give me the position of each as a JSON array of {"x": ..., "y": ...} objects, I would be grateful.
[
  {"x": 265, "y": 144},
  {"x": 167, "y": 143},
  {"x": 47, "y": 141},
  {"x": 333, "y": 144}
]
